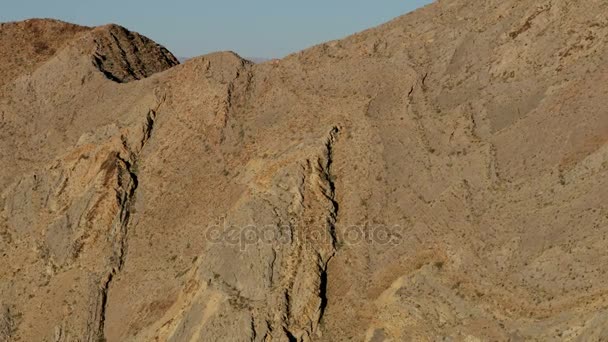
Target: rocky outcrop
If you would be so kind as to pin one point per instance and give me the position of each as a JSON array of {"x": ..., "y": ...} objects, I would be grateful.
[{"x": 124, "y": 56}]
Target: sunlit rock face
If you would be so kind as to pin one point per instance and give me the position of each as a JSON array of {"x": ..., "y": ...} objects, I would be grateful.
[{"x": 441, "y": 176}]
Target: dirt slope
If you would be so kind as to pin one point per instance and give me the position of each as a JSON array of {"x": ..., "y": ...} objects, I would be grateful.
[{"x": 440, "y": 177}]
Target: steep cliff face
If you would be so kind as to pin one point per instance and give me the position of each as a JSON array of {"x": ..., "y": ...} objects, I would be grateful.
[{"x": 440, "y": 176}]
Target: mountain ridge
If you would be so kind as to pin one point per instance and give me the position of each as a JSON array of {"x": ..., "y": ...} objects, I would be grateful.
[{"x": 392, "y": 185}]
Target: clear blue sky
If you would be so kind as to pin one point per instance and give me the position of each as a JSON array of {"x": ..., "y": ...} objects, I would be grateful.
[{"x": 252, "y": 28}]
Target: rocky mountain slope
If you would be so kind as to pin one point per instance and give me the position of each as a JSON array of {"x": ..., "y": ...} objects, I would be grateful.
[{"x": 440, "y": 177}]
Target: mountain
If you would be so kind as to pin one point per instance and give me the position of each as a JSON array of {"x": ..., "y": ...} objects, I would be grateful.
[
  {"x": 439, "y": 177},
  {"x": 255, "y": 60},
  {"x": 258, "y": 60}
]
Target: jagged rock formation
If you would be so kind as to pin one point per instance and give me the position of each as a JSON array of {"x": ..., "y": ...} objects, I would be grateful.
[{"x": 441, "y": 176}]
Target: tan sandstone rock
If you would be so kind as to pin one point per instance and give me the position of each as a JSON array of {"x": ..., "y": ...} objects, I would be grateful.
[{"x": 439, "y": 177}]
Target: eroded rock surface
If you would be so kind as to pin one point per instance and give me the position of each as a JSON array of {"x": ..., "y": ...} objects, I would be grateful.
[{"x": 441, "y": 176}]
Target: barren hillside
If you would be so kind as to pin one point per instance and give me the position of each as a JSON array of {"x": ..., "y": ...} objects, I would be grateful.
[{"x": 440, "y": 177}]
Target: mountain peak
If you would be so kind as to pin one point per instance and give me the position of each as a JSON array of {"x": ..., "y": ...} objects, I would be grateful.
[{"x": 125, "y": 56}]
